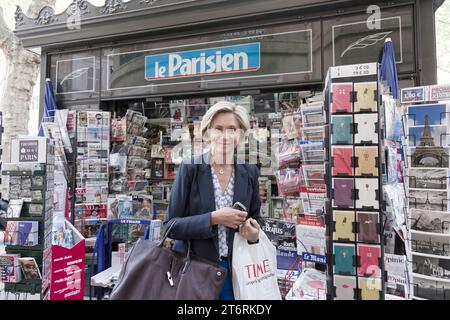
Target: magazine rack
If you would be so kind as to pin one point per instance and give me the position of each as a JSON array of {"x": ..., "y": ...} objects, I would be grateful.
[
  {"x": 104, "y": 259},
  {"x": 43, "y": 172}
]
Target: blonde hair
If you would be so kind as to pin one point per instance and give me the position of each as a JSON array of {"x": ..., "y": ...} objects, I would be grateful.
[{"x": 224, "y": 106}]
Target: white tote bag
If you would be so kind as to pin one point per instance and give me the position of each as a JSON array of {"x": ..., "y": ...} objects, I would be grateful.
[{"x": 255, "y": 269}]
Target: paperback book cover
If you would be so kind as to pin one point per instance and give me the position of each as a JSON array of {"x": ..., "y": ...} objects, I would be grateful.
[
  {"x": 343, "y": 192},
  {"x": 367, "y": 158},
  {"x": 345, "y": 287},
  {"x": 344, "y": 257},
  {"x": 369, "y": 260},
  {"x": 368, "y": 223},
  {"x": 366, "y": 131}
]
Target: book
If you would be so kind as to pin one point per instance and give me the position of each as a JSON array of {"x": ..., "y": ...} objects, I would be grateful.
[
  {"x": 28, "y": 233},
  {"x": 370, "y": 288},
  {"x": 9, "y": 268},
  {"x": 342, "y": 129},
  {"x": 30, "y": 268},
  {"x": 342, "y": 159},
  {"x": 369, "y": 260},
  {"x": 368, "y": 226},
  {"x": 343, "y": 192},
  {"x": 157, "y": 168},
  {"x": 344, "y": 225},
  {"x": 366, "y": 99},
  {"x": 341, "y": 97},
  {"x": 367, "y": 193},
  {"x": 366, "y": 161},
  {"x": 15, "y": 208},
  {"x": 366, "y": 128},
  {"x": 344, "y": 259},
  {"x": 344, "y": 287},
  {"x": 10, "y": 236}
]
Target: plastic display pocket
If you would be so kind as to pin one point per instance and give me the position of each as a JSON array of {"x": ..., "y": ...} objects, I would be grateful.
[
  {"x": 343, "y": 189},
  {"x": 367, "y": 193},
  {"x": 344, "y": 222},
  {"x": 341, "y": 97},
  {"x": 368, "y": 226},
  {"x": 369, "y": 260},
  {"x": 345, "y": 287},
  {"x": 366, "y": 95},
  {"x": 342, "y": 129},
  {"x": 366, "y": 128},
  {"x": 344, "y": 259},
  {"x": 367, "y": 161},
  {"x": 342, "y": 160},
  {"x": 288, "y": 181}
]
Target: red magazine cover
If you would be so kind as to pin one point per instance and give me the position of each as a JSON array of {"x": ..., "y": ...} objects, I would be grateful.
[
  {"x": 342, "y": 97},
  {"x": 342, "y": 161},
  {"x": 369, "y": 256}
]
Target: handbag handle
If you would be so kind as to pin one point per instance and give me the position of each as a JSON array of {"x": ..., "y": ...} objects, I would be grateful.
[{"x": 171, "y": 223}]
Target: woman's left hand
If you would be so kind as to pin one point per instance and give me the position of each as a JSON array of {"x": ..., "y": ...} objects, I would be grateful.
[{"x": 250, "y": 230}]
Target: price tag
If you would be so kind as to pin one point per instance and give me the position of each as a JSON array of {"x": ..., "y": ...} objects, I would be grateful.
[{"x": 354, "y": 70}]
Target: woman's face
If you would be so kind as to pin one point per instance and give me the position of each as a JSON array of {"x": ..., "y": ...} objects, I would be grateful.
[{"x": 224, "y": 132}]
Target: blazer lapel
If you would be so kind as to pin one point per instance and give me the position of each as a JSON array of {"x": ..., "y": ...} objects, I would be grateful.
[
  {"x": 240, "y": 194},
  {"x": 206, "y": 187}
]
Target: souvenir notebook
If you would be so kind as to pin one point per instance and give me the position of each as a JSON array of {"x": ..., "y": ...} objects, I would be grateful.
[
  {"x": 368, "y": 226},
  {"x": 367, "y": 193},
  {"x": 343, "y": 192},
  {"x": 344, "y": 287},
  {"x": 366, "y": 97},
  {"x": 369, "y": 260},
  {"x": 366, "y": 161},
  {"x": 343, "y": 225},
  {"x": 342, "y": 129},
  {"x": 342, "y": 160},
  {"x": 344, "y": 257},
  {"x": 366, "y": 128},
  {"x": 341, "y": 97}
]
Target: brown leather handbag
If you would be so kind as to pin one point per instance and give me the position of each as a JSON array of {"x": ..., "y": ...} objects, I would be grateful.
[{"x": 154, "y": 272}]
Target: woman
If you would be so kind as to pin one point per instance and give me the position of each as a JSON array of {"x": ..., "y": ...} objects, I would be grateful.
[{"x": 205, "y": 191}]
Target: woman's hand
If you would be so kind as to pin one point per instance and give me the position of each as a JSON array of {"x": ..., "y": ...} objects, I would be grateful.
[
  {"x": 250, "y": 230},
  {"x": 229, "y": 217}
]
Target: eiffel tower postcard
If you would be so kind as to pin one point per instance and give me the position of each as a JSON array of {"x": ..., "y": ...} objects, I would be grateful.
[
  {"x": 428, "y": 145},
  {"x": 437, "y": 115}
]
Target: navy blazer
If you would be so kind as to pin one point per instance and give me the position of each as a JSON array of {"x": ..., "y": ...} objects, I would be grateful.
[{"x": 192, "y": 200}]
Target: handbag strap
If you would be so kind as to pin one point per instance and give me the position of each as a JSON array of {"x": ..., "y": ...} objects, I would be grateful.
[{"x": 170, "y": 224}]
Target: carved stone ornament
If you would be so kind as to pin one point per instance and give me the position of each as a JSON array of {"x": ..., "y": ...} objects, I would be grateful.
[
  {"x": 148, "y": 2},
  {"x": 77, "y": 7},
  {"x": 46, "y": 16},
  {"x": 18, "y": 15},
  {"x": 113, "y": 6}
]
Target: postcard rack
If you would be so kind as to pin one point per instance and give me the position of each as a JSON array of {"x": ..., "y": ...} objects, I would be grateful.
[
  {"x": 355, "y": 246},
  {"x": 426, "y": 135}
]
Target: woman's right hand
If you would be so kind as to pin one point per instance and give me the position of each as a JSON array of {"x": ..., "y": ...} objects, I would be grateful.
[{"x": 228, "y": 217}]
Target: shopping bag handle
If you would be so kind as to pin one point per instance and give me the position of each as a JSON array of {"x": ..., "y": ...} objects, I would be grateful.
[{"x": 170, "y": 224}]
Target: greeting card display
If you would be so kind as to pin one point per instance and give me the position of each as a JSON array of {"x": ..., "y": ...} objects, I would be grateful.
[
  {"x": 366, "y": 97},
  {"x": 366, "y": 128},
  {"x": 344, "y": 287},
  {"x": 342, "y": 129},
  {"x": 368, "y": 226},
  {"x": 366, "y": 161},
  {"x": 341, "y": 97},
  {"x": 367, "y": 194},
  {"x": 369, "y": 260},
  {"x": 342, "y": 160},
  {"x": 344, "y": 225},
  {"x": 344, "y": 259},
  {"x": 343, "y": 189}
]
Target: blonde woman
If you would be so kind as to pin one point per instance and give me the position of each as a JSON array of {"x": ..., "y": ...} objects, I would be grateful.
[{"x": 206, "y": 188}]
